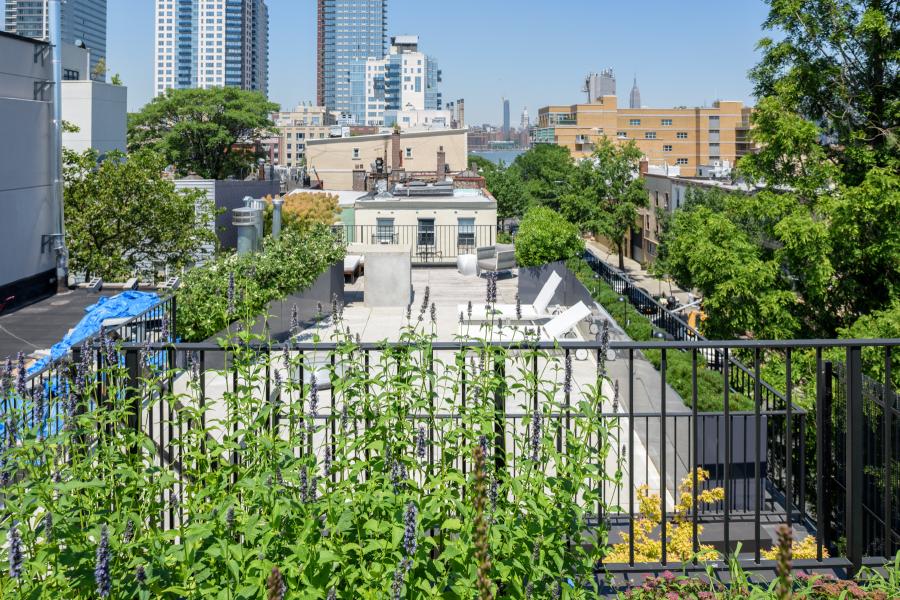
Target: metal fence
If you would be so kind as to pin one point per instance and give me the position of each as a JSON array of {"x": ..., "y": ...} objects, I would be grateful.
[
  {"x": 431, "y": 244},
  {"x": 740, "y": 449}
]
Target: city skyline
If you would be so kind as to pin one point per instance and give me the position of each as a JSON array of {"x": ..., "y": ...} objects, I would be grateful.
[{"x": 504, "y": 60}]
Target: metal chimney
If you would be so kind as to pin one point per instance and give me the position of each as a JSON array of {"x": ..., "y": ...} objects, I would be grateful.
[
  {"x": 54, "y": 22},
  {"x": 244, "y": 219},
  {"x": 276, "y": 217}
]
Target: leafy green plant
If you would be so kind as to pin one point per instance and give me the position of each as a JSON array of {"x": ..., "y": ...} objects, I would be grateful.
[
  {"x": 370, "y": 494},
  {"x": 544, "y": 237},
  {"x": 289, "y": 264}
]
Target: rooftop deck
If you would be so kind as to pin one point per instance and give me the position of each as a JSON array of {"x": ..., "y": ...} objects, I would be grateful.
[{"x": 38, "y": 326}]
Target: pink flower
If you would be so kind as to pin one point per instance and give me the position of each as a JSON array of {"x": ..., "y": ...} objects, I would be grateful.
[
  {"x": 672, "y": 596},
  {"x": 669, "y": 576}
]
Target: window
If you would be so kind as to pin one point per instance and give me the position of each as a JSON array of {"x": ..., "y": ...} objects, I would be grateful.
[
  {"x": 622, "y": 135},
  {"x": 356, "y": 153},
  {"x": 714, "y": 121},
  {"x": 466, "y": 237},
  {"x": 384, "y": 232},
  {"x": 409, "y": 153},
  {"x": 426, "y": 232},
  {"x": 681, "y": 135},
  {"x": 667, "y": 147},
  {"x": 666, "y": 122},
  {"x": 681, "y": 161},
  {"x": 649, "y": 135},
  {"x": 713, "y": 149},
  {"x": 634, "y": 122}
]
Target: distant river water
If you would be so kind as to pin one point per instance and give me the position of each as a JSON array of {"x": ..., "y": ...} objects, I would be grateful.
[{"x": 495, "y": 156}]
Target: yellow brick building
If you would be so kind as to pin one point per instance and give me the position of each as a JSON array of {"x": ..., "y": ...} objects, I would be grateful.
[{"x": 686, "y": 137}]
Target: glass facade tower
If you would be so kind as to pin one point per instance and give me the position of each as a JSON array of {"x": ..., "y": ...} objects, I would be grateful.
[
  {"x": 349, "y": 31},
  {"x": 82, "y": 21},
  {"x": 211, "y": 43}
]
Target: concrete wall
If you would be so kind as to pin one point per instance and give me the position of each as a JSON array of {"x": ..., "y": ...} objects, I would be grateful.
[
  {"x": 99, "y": 110},
  {"x": 25, "y": 172},
  {"x": 334, "y": 160}
]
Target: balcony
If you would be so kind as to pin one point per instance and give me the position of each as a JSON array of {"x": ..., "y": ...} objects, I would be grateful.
[
  {"x": 432, "y": 245},
  {"x": 592, "y": 398}
]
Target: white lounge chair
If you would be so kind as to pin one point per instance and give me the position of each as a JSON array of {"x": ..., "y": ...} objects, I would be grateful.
[
  {"x": 557, "y": 328},
  {"x": 530, "y": 312}
]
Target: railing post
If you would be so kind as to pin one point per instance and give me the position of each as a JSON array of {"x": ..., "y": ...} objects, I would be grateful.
[
  {"x": 174, "y": 318},
  {"x": 854, "y": 458},
  {"x": 500, "y": 411},
  {"x": 888, "y": 399},
  {"x": 133, "y": 392}
]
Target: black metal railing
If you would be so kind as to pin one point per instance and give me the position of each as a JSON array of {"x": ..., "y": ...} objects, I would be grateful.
[
  {"x": 429, "y": 243},
  {"x": 659, "y": 447}
]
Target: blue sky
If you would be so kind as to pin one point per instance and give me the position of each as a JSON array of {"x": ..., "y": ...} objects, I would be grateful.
[{"x": 533, "y": 51}]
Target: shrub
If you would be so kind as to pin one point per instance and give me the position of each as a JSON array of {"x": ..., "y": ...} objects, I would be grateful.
[
  {"x": 710, "y": 388},
  {"x": 304, "y": 209},
  {"x": 296, "y": 494},
  {"x": 544, "y": 237},
  {"x": 215, "y": 294},
  {"x": 679, "y": 541}
]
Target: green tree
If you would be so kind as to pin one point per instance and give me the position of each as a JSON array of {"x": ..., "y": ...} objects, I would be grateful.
[
  {"x": 122, "y": 216},
  {"x": 835, "y": 62},
  {"x": 742, "y": 291},
  {"x": 545, "y": 236},
  {"x": 506, "y": 185},
  {"x": 210, "y": 132},
  {"x": 545, "y": 169},
  {"x": 605, "y": 193}
]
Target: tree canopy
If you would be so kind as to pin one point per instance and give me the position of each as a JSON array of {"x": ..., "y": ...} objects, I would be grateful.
[
  {"x": 545, "y": 236},
  {"x": 544, "y": 170},
  {"x": 123, "y": 217},
  {"x": 837, "y": 64},
  {"x": 211, "y": 132},
  {"x": 605, "y": 193},
  {"x": 817, "y": 248}
]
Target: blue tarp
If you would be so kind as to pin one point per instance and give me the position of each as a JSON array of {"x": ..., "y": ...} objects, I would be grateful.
[{"x": 126, "y": 304}]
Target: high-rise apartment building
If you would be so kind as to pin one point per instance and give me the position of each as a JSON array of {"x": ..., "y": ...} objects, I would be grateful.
[
  {"x": 82, "y": 21},
  {"x": 349, "y": 31},
  {"x": 506, "y": 119},
  {"x": 211, "y": 43},
  {"x": 405, "y": 80}
]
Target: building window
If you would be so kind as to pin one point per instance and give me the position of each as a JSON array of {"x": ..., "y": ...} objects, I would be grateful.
[
  {"x": 666, "y": 122},
  {"x": 667, "y": 147},
  {"x": 681, "y": 161},
  {"x": 714, "y": 121},
  {"x": 409, "y": 153},
  {"x": 426, "y": 232},
  {"x": 634, "y": 122},
  {"x": 356, "y": 153},
  {"x": 713, "y": 150},
  {"x": 681, "y": 135},
  {"x": 649, "y": 135},
  {"x": 466, "y": 238},
  {"x": 622, "y": 135},
  {"x": 384, "y": 232}
]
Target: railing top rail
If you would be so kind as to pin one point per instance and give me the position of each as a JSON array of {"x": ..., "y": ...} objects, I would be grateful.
[{"x": 527, "y": 345}]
